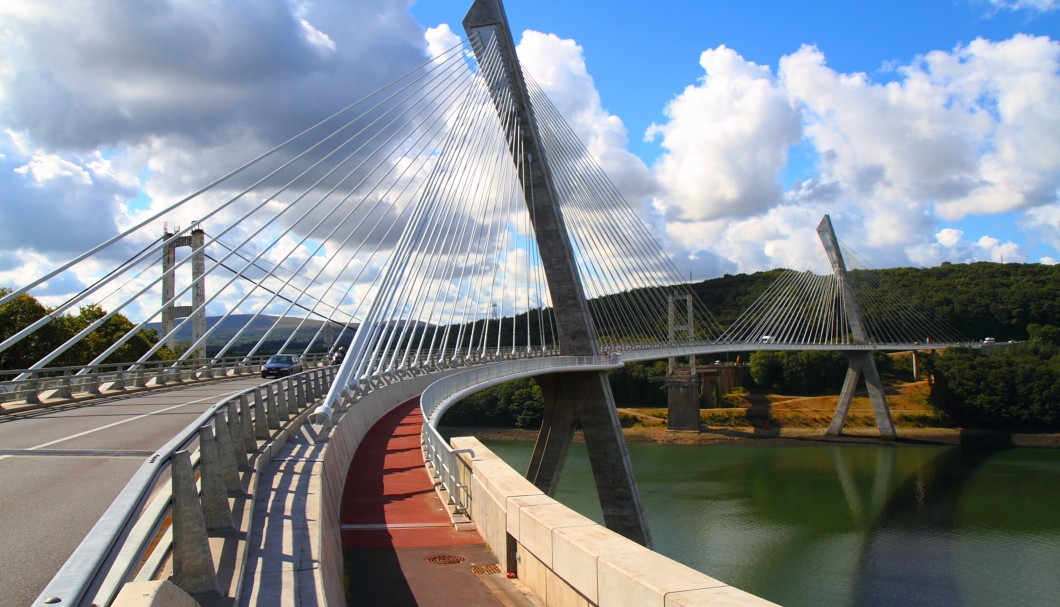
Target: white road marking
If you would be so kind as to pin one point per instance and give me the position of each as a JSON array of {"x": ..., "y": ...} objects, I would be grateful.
[{"x": 118, "y": 423}]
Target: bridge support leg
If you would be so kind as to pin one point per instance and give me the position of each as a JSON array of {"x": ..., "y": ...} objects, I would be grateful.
[
  {"x": 193, "y": 568},
  {"x": 861, "y": 364},
  {"x": 682, "y": 403},
  {"x": 585, "y": 397}
]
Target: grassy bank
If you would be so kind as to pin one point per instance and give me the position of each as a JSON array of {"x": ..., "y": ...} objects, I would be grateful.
[{"x": 780, "y": 419}]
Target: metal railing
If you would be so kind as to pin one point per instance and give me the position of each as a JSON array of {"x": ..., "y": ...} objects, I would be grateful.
[
  {"x": 33, "y": 386},
  {"x": 442, "y": 394},
  {"x": 132, "y": 540}
]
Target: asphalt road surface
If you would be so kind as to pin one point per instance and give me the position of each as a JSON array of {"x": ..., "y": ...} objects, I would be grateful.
[{"x": 60, "y": 469}]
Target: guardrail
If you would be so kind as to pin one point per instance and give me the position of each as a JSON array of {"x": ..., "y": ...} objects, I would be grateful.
[
  {"x": 442, "y": 394},
  {"x": 132, "y": 541},
  {"x": 60, "y": 384}
]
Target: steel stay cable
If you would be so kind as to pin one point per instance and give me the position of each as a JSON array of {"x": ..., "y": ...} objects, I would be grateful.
[
  {"x": 309, "y": 234},
  {"x": 19, "y": 336},
  {"x": 178, "y": 234},
  {"x": 443, "y": 158},
  {"x": 338, "y": 225},
  {"x": 433, "y": 237},
  {"x": 584, "y": 159}
]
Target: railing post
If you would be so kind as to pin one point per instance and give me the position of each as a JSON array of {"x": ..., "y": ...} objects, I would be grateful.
[
  {"x": 292, "y": 393},
  {"x": 226, "y": 453},
  {"x": 64, "y": 390},
  {"x": 271, "y": 413},
  {"x": 299, "y": 390},
  {"x": 235, "y": 430},
  {"x": 317, "y": 392},
  {"x": 119, "y": 380},
  {"x": 193, "y": 568},
  {"x": 33, "y": 390},
  {"x": 281, "y": 400},
  {"x": 261, "y": 421},
  {"x": 139, "y": 379},
  {"x": 250, "y": 442},
  {"x": 215, "y": 509},
  {"x": 92, "y": 383}
]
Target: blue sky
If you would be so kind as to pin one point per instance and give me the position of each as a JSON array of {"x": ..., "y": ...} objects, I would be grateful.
[
  {"x": 640, "y": 56},
  {"x": 928, "y": 130}
]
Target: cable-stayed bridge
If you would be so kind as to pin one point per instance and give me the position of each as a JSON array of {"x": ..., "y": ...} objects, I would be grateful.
[{"x": 450, "y": 220}]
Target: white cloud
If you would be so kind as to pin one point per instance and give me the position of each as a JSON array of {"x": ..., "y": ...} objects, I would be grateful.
[
  {"x": 949, "y": 237},
  {"x": 93, "y": 120},
  {"x": 726, "y": 141},
  {"x": 558, "y": 67},
  {"x": 966, "y": 132},
  {"x": 1041, "y": 6}
]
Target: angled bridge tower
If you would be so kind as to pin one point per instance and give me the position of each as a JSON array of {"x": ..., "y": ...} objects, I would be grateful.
[
  {"x": 570, "y": 398},
  {"x": 859, "y": 362}
]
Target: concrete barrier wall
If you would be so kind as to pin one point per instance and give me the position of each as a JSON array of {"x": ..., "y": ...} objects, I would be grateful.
[
  {"x": 566, "y": 558},
  {"x": 350, "y": 428}
]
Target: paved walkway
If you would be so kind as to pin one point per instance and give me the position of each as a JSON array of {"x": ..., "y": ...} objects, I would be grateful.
[{"x": 401, "y": 546}]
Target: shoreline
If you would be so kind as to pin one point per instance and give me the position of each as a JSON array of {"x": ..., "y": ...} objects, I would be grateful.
[{"x": 792, "y": 437}]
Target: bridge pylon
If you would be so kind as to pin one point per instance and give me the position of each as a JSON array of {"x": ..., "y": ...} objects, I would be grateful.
[
  {"x": 170, "y": 313},
  {"x": 860, "y": 363},
  {"x": 569, "y": 397}
]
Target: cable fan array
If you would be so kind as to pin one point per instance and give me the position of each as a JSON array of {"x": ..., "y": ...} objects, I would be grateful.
[
  {"x": 629, "y": 280},
  {"x": 400, "y": 222},
  {"x": 808, "y": 306}
]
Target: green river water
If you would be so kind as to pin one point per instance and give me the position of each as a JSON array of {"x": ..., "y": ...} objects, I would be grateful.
[{"x": 847, "y": 525}]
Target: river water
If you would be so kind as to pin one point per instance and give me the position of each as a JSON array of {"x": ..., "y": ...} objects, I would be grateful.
[{"x": 847, "y": 525}]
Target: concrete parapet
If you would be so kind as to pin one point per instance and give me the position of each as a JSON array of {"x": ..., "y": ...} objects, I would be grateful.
[
  {"x": 160, "y": 593},
  {"x": 567, "y": 559}
]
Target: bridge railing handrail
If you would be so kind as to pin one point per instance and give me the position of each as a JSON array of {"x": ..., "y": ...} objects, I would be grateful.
[
  {"x": 118, "y": 543},
  {"x": 445, "y": 392},
  {"x": 29, "y": 385}
]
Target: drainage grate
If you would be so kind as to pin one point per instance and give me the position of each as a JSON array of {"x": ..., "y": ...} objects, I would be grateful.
[
  {"x": 445, "y": 559},
  {"x": 485, "y": 569}
]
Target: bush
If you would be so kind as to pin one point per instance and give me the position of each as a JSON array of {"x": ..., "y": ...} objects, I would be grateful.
[{"x": 1011, "y": 388}]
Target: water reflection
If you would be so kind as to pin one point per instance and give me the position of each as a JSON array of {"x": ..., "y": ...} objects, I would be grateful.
[{"x": 849, "y": 525}]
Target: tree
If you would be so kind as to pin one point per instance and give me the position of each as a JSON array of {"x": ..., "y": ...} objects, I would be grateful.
[
  {"x": 17, "y": 314},
  {"x": 516, "y": 404},
  {"x": 24, "y": 310},
  {"x": 1016, "y": 388}
]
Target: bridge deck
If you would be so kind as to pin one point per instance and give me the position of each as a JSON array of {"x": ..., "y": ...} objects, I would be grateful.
[
  {"x": 60, "y": 468},
  {"x": 393, "y": 522}
]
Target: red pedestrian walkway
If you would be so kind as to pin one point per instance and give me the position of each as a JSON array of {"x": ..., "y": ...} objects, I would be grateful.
[{"x": 400, "y": 544}]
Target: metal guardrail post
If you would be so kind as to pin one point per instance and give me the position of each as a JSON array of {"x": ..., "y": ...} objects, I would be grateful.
[
  {"x": 215, "y": 509},
  {"x": 193, "y": 568},
  {"x": 282, "y": 409},
  {"x": 33, "y": 390},
  {"x": 272, "y": 415},
  {"x": 261, "y": 420},
  {"x": 299, "y": 390},
  {"x": 293, "y": 401},
  {"x": 92, "y": 384},
  {"x": 226, "y": 454},
  {"x": 235, "y": 430},
  {"x": 250, "y": 442},
  {"x": 119, "y": 381}
]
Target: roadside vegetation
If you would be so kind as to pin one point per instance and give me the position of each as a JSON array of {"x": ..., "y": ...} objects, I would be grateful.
[{"x": 24, "y": 310}]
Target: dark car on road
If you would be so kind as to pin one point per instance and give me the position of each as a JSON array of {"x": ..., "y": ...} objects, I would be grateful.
[{"x": 280, "y": 365}]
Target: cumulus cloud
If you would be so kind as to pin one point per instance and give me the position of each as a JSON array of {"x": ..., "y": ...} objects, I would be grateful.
[
  {"x": 558, "y": 67},
  {"x": 953, "y": 134},
  {"x": 112, "y": 111},
  {"x": 98, "y": 131},
  {"x": 726, "y": 141},
  {"x": 1041, "y": 6}
]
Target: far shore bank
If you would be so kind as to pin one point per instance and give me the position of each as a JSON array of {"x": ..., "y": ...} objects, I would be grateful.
[{"x": 791, "y": 436}]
